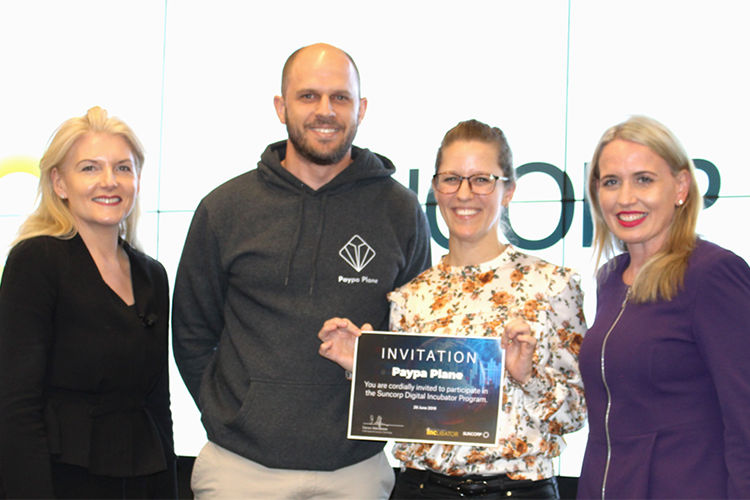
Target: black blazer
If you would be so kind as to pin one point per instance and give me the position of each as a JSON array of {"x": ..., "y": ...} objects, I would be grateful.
[{"x": 83, "y": 376}]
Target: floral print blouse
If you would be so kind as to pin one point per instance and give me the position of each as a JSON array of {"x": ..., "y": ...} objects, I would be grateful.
[{"x": 478, "y": 300}]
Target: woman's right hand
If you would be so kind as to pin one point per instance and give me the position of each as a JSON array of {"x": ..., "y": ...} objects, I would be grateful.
[{"x": 338, "y": 336}]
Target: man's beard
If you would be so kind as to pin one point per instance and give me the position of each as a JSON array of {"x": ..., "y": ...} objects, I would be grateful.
[{"x": 307, "y": 150}]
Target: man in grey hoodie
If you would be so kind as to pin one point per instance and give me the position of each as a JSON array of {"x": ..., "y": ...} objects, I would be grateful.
[{"x": 319, "y": 229}]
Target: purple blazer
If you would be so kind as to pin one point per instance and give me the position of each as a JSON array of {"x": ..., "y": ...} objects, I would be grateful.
[{"x": 678, "y": 375}]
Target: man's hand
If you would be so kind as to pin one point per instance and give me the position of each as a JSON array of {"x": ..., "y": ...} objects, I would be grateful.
[{"x": 338, "y": 336}]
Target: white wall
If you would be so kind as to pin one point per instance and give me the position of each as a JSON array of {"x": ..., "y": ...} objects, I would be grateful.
[{"x": 196, "y": 79}]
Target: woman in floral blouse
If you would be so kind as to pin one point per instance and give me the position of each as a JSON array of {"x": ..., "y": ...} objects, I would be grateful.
[{"x": 483, "y": 287}]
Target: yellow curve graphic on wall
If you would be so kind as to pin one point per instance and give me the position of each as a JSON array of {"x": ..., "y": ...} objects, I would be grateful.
[{"x": 17, "y": 165}]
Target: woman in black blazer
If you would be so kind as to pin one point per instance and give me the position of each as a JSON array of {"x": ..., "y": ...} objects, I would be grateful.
[{"x": 84, "y": 387}]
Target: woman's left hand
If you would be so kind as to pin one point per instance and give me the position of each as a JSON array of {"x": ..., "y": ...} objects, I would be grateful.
[{"x": 519, "y": 344}]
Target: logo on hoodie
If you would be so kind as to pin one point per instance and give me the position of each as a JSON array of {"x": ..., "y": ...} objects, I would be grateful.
[{"x": 357, "y": 253}]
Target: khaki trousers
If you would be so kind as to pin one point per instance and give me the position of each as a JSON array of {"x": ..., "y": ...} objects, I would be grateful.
[{"x": 220, "y": 474}]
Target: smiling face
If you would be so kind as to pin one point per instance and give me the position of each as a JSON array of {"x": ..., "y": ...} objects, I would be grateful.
[
  {"x": 473, "y": 219},
  {"x": 321, "y": 107},
  {"x": 638, "y": 195},
  {"x": 98, "y": 179}
]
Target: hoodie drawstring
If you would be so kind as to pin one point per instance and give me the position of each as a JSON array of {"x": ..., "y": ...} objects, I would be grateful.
[
  {"x": 321, "y": 225},
  {"x": 295, "y": 241}
]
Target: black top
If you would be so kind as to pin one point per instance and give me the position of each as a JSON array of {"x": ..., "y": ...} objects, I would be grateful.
[
  {"x": 266, "y": 261},
  {"x": 83, "y": 376}
]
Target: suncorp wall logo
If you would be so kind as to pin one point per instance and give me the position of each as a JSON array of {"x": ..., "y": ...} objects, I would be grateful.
[
  {"x": 357, "y": 253},
  {"x": 567, "y": 207}
]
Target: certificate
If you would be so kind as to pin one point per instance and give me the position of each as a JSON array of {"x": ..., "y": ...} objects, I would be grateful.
[{"x": 426, "y": 388}]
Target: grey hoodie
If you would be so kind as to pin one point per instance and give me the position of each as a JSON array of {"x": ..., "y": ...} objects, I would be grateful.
[{"x": 266, "y": 261}]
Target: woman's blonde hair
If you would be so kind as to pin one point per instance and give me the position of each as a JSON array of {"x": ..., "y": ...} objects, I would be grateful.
[
  {"x": 53, "y": 217},
  {"x": 662, "y": 275}
]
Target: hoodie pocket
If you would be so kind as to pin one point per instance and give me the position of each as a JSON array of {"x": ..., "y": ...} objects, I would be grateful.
[{"x": 293, "y": 419}]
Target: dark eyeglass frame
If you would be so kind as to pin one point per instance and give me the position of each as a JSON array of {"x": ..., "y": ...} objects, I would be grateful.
[{"x": 468, "y": 178}]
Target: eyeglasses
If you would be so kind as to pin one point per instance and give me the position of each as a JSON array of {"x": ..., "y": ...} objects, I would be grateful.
[{"x": 449, "y": 183}]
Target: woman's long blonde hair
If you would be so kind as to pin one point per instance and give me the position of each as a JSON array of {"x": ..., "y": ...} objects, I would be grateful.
[
  {"x": 53, "y": 217},
  {"x": 663, "y": 274}
]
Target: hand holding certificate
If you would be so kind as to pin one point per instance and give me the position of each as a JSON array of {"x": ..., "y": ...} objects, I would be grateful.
[
  {"x": 519, "y": 344},
  {"x": 338, "y": 337},
  {"x": 423, "y": 388}
]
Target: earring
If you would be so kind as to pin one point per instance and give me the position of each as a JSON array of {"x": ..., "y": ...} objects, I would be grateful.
[{"x": 680, "y": 202}]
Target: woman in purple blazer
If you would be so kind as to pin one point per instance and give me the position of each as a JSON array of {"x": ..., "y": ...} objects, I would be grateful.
[{"x": 666, "y": 364}]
